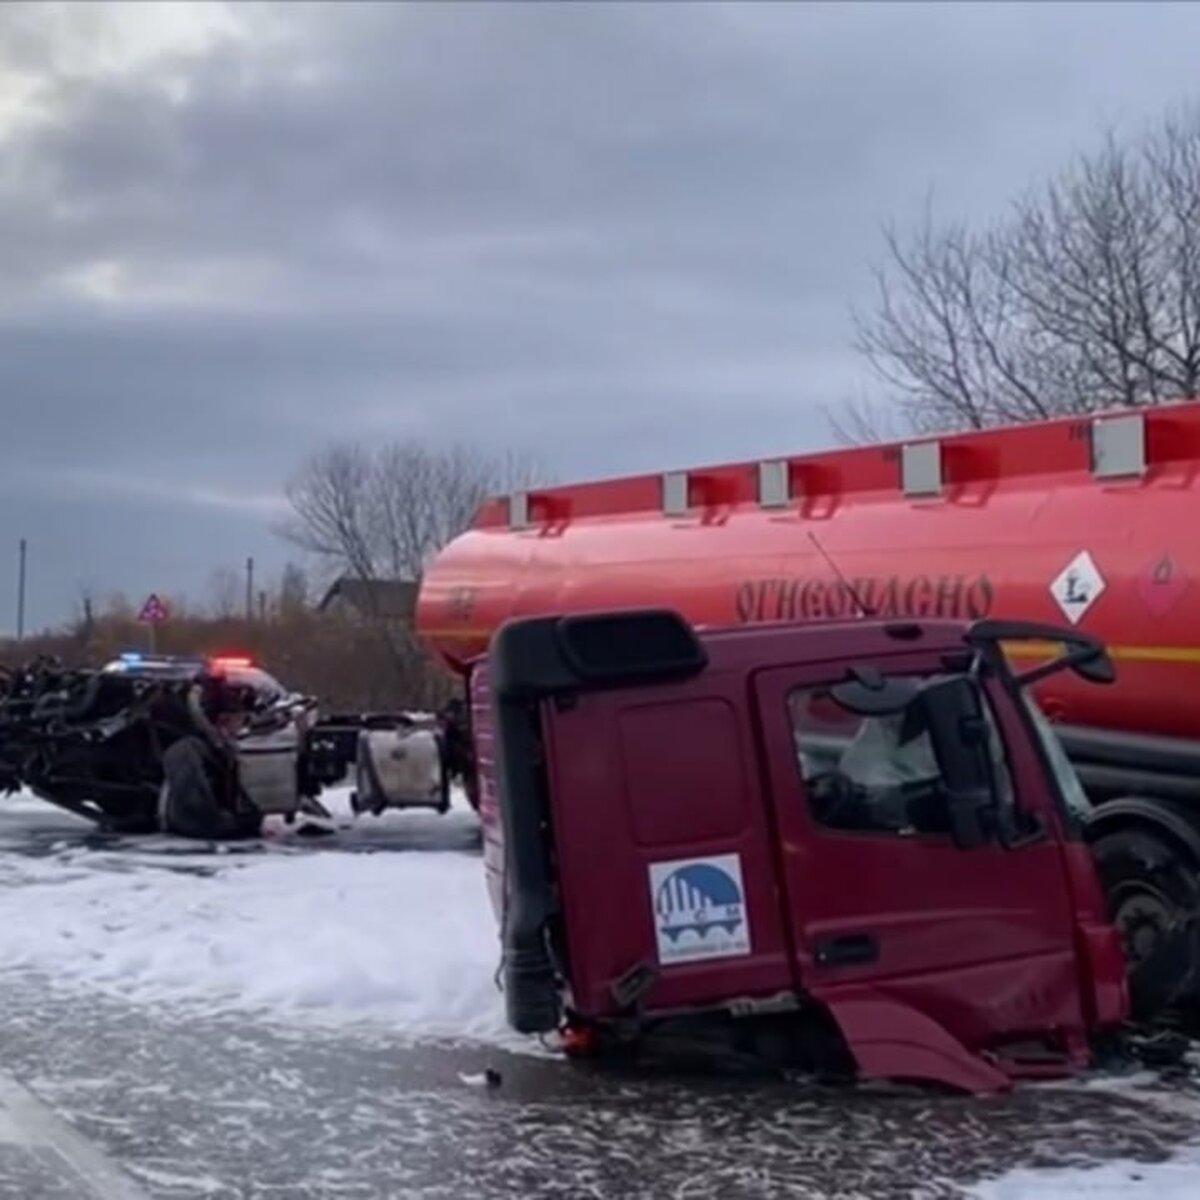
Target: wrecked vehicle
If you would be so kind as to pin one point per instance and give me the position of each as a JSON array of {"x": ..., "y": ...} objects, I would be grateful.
[
  {"x": 1083, "y": 521},
  {"x": 854, "y": 848},
  {"x": 206, "y": 747}
]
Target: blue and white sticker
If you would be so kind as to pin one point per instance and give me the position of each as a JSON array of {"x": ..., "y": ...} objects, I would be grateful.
[{"x": 699, "y": 909}]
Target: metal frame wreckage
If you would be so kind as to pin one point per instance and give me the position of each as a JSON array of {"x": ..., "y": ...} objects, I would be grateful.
[{"x": 189, "y": 747}]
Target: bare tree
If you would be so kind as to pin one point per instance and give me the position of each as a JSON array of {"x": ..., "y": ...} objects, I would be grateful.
[
  {"x": 331, "y": 498},
  {"x": 862, "y": 420},
  {"x": 1085, "y": 297},
  {"x": 382, "y": 514}
]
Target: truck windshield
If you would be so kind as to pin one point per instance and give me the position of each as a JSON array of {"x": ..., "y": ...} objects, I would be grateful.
[
  {"x": 878, "y": 774},
  {"x": 1064, "y": 773}
]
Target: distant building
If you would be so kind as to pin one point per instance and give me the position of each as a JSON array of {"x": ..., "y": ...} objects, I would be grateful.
[{"x": 389, "y": 599}]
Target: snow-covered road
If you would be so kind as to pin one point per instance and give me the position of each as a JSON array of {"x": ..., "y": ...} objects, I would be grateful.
[
  {"x": 1176, "y": 1179},
  {"x": 373, "y": 928},
  {"x": 300, "y": 1018}
]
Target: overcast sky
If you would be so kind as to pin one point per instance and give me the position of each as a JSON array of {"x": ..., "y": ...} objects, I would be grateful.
[{"x": 622, "y": 236}]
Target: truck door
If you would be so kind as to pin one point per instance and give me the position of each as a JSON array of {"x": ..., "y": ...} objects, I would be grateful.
[
  {"x": 980, "y": 940},
  {"x": 663, "y": 846}
]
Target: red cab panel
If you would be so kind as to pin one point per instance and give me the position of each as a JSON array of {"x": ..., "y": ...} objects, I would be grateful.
[
  {"x": 664, "y": 851},
  {"x": 981, "y": 939},
  {"x": 751, "y": 833}
]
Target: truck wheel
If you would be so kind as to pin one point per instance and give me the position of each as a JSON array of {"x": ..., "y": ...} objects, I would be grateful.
[
  {"x": 190, "y": 807},
  {"x": 127, "y": 826},
  {"x": 1153, "y": 895}
]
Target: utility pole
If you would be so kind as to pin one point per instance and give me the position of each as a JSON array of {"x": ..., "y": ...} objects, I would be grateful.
[
  {"x": 250, "y": 589},
  {"x": 21, "y": 590}
]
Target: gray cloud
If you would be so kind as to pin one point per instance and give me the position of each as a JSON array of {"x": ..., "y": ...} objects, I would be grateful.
[{"x": 622, "y": 236}]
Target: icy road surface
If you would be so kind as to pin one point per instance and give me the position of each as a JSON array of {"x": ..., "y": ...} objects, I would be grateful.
[
  {"x": 372, "y": 928},
  {"x": 310, "y": 1019}
]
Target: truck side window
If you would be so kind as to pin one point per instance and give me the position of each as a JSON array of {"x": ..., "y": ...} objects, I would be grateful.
[{"x": 875, "y": 774}]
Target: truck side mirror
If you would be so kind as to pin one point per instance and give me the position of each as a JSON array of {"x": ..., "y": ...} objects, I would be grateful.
[{"x": 958, "y": 729}]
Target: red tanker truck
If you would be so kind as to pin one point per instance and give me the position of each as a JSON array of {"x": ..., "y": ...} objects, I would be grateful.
[{"x": 1091, "y": 524}]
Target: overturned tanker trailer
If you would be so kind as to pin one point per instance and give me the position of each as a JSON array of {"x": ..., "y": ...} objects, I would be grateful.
[
  {"x": 1086, "y": 524},
  {"x": 208, "y": 747}
]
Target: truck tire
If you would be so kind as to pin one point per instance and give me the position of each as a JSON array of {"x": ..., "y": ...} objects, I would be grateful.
[
  {"x": 1153, "y": 896},
  {"x": 190, "y": 807},
  {"x": 126, "y": 825}
]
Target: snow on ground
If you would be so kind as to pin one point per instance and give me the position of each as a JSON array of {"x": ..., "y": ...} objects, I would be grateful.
[
  {"x": 386, "y": 929},
  {"x": 387, "y": 924},
  {"x": 1176, "y": 1179}
]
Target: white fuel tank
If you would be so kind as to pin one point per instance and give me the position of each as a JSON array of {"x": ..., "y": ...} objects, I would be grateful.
[{"x": 399, "y": 768}]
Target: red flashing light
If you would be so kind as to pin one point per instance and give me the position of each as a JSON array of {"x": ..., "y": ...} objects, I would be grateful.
[{"x": 225, "y": 661}]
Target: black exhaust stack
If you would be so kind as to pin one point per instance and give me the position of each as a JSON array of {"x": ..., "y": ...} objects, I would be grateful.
[
  {"x": 531, "y": 660},
  {"x": 523, "y": 656}
]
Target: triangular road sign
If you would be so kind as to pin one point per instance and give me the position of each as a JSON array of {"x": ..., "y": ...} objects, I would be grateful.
[{"x": 154, "y": 611}]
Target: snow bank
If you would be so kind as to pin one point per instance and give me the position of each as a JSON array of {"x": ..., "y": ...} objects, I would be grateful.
[
  {"x": 1176, "y": 1179},
  {"x": 389, "y": 925}
]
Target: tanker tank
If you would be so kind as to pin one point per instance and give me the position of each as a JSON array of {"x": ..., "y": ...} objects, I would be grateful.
[{"x": 1091, "y": 523}]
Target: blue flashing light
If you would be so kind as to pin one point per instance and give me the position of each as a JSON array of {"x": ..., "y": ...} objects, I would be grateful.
[{"x": 131, "y": 656}]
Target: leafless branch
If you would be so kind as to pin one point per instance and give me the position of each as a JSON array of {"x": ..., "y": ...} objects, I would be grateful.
[
  {"x": 1086, "y": 296},
  {"x": 382, "y": 513}
]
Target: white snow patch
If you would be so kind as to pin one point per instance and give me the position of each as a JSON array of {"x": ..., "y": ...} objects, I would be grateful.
[
  {"x": 388, "y": 924},
  {"x": 25, "y": 803},
  {"x": 1176, "y": 1179}
]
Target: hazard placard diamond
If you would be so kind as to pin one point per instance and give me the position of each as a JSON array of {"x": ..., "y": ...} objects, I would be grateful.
[
  {"x": 1078, "y": 586},
  {"x": 1161, "y": 585}
]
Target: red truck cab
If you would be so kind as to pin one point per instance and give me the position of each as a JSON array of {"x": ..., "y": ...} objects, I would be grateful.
[{"x": 858, "y": 835}]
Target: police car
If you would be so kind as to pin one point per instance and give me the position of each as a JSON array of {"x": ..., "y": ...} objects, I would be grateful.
[
  {"x": 286, "y": 754},
  {"x": 267, "y": 727}
]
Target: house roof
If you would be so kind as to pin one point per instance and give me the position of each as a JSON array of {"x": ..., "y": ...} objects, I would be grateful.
[{"x": 394, "y": 598}]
